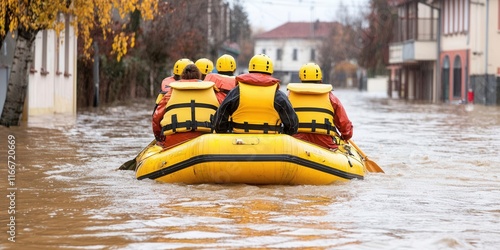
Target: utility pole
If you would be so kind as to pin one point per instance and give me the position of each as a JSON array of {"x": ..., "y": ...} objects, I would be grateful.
[
  {"x": 209, "y": 27},
  {"x": 96, "y": 74}
]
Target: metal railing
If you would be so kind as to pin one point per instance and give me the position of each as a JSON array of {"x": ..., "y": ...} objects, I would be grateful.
[{"x": 423, "y": 29}]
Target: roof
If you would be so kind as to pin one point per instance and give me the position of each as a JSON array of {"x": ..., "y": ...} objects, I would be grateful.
[{"x": 298, "y": 30}]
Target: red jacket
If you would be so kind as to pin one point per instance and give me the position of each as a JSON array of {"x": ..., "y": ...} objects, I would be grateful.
[
  {"x": 341, "y": 121},
  {"x": 165, "y": 84},
  {"x": 223, "y": 84}
]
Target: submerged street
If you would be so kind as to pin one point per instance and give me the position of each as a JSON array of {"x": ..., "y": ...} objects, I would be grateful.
[{"x": 440, "y": 188}]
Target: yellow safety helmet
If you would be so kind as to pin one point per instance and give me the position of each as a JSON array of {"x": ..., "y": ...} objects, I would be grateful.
[
  {"x": 204, "y": 65},
  {"x": 310, "y": 72},
  {"x": 180, "y": 65},
  {"x": 261, "y": 63},
  {"x": 226, "y": 63}
]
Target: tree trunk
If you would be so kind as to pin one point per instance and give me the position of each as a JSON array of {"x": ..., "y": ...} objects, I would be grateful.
[{"x": 18, "y": 80}]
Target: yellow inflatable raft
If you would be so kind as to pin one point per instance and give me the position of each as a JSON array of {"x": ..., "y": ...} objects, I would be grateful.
[{"x": 259, "y": 159}]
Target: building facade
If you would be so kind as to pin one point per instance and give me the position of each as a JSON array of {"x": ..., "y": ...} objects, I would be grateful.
[
  {"x": 481, "y": 46},
  {"x": 52, "y": 74},
  {"x": 413, "y": 52},
  {"x": 466, "y": 61}
]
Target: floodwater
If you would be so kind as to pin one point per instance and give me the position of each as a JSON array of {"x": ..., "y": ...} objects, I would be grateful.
[{"x": 441, "y": 188}]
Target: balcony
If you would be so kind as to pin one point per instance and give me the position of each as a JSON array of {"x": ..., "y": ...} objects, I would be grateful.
[
  {"x": 414, "y": 39},
  {"x": 412, "y": 51}
]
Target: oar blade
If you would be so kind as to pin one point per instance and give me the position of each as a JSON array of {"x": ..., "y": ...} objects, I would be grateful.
[
  {"x": 371, "y": 166},
  {"x": 132, "y": 164},
  {"x": 129, "y": 165}
]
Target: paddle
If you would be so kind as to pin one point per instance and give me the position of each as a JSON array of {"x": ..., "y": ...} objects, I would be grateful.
[
  {"x": 371, "y": 166},
  {"x": 132, "y": 164}
]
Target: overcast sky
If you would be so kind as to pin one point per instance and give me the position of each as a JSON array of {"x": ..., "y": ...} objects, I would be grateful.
[{"x": 269, "y": 14}]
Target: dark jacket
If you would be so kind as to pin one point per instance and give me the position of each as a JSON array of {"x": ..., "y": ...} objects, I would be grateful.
[{"x": 285, "y": 110}]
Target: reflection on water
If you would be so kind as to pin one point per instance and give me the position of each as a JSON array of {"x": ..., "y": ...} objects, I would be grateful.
[{"x": 440, "y": 189}]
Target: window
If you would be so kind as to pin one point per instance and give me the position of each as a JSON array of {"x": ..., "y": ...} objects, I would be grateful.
[
  {"x": 44, "y": 71},
  {"x": 466, "y": 16},
  {"x": 445, "y": 77},
  {"x": 59, "y": 41},
  {"x": 402, "y": 24},
  {"x": 412, "y": 18},
  {"x": 455, "y": 16},
  {"x": 461, "y": 15},
  {"x": 445, "y": 17},
  {"x": 294, "y": 55},
  {"x": 457, "y": 77},
  {"x": 313, "y": 55},
  {"x": 33, "y": 61},
  {"x": 66, "y": 45},
  {"x": 450, "y": 17},
  {"x": 279, "y": 54}
]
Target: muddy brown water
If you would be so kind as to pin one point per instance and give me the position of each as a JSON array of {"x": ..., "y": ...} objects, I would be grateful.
[{"x": 441, "y": 188}]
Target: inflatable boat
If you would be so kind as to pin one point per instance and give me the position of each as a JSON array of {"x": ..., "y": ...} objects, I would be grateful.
[{"x": 259, "y": 159}]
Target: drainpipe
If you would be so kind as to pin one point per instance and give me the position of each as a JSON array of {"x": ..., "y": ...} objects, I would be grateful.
[{"x": 486, "y": 53}]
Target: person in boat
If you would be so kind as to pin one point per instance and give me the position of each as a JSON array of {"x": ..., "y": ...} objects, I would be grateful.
[
  {"x": 224, "y": 78},
  {"x": 205, "y": 66},
  {"x": 256, "y": 105},
  {"x": 176, "y": 73},
  {"x": 172, "y": 120},
  {"x": 321, "y": 114},
  {"x": 165, "y": 84}
]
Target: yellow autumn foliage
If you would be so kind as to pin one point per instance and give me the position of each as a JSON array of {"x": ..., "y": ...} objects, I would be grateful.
[
  {"x": 121, "y": 42},
  {"x": 35, "y": 15}
]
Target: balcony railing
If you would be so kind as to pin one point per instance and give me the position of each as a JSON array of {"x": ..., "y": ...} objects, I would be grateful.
[{"x": 417, "y": 29}]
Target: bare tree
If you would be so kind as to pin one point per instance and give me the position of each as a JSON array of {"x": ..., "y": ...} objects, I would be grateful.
[
  {"x": 342, "y": 43},
  {"x": 374, "y": 54},
  {"x": 176, "y": 33},
  {"x": 241, "y": 33}
]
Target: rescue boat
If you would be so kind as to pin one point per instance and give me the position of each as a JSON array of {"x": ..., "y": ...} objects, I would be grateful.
[{"x": 256, "y": 159}]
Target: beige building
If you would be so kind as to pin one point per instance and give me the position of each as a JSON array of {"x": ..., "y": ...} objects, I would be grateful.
[
  {"x": 52, "y": 77},
  {"x": 484, "y": 50},
  {"x": 467, "y": 58},
  {"x": 414, "y": 51}
]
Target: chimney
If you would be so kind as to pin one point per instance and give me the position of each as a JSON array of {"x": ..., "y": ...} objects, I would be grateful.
[{"x": 316, "y": 25}]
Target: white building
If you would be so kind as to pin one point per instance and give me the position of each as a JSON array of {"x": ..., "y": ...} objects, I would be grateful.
[
  {"x": 291, "y": 45},
  {"x": 52, "y": 77}
]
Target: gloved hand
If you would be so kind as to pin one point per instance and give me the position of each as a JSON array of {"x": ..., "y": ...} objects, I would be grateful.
[{"x": 160, "y": 138}]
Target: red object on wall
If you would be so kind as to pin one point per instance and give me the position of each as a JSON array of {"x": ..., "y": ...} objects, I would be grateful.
[{"x": 470, "y": 96}]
